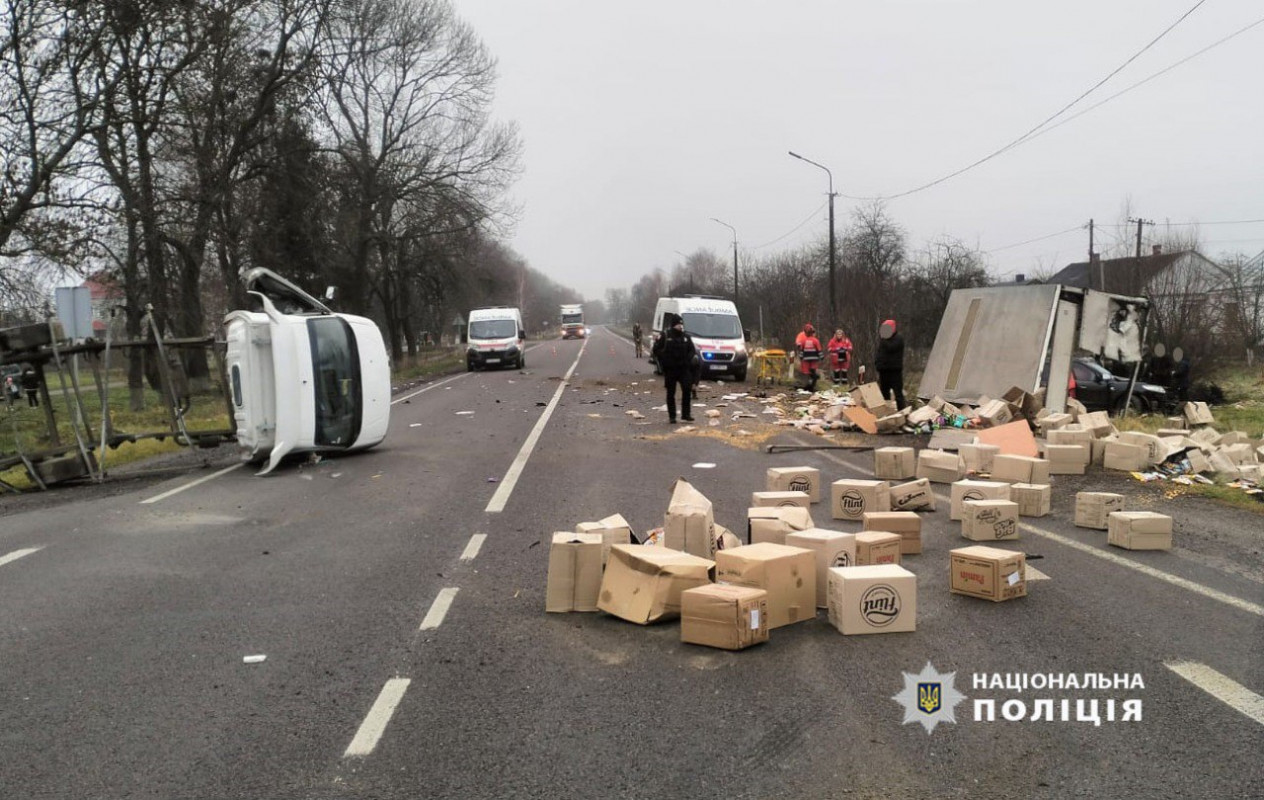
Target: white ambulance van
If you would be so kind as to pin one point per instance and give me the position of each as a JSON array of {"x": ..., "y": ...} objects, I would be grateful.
[
  {"x": 715, "y": 328},
  {"x": 495, "y": 338},
  {"x": 303, "y": 379}
]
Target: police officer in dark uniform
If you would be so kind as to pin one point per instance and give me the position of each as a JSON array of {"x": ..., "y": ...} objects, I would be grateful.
[{"x": 674, "y": 352}]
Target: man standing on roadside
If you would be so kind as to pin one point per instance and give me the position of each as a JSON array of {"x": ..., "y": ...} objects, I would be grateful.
[
  {"x": 889, "y": 362},
  {"x": 674, "y": 353}
]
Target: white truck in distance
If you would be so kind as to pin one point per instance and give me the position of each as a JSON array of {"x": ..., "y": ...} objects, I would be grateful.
[
  {"x": 303, "y": 378},
  {"x": 573, "y": 322},
  {"x": 495, "y": 338},
  {"x": 716, "y": 330}
]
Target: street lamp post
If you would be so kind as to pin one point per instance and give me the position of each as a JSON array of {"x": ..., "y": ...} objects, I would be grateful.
[
  {"x": 833, "y": 302},
  {"x": 730, "y": 227}
]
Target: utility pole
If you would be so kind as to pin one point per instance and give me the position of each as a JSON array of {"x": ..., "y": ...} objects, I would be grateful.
[
  {"x": 1136, "y": 263},
  {"x": 730, "y": 227},
  {"x": 1101, "y": 273},
  {"x": 833, "y": 322}
]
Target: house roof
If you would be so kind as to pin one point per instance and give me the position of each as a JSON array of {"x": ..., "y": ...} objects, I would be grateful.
[
  {"x": 102, "y": 286},
  {"x": 1121, "y": 275}
]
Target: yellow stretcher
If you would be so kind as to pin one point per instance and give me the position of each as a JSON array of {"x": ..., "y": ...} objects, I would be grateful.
[{"x": 771, "y": 367}]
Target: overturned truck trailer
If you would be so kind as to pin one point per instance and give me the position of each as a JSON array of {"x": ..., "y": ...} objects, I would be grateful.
[
  {"x": 994, "y": 338},
  {"x": 303, "y": 378}
]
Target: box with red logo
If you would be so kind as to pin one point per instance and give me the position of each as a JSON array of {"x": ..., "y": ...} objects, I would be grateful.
[
  {"x": 880, "y": 598},
  {"x": 877, "y": 547},
  {"x": 988, "y": 573}
]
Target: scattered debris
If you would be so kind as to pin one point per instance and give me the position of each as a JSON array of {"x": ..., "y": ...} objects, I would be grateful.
[{"x": 254, "y": 659}]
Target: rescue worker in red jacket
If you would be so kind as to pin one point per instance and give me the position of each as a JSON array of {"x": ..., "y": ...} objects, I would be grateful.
[
  {"x": 809, "y": 349},
  {"x": 840, "y": 355}
]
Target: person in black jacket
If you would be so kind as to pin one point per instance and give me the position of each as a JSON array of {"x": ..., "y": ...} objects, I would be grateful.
[
  {"x": 674, "y": 352},
  {"x": 889, "y": 362}
]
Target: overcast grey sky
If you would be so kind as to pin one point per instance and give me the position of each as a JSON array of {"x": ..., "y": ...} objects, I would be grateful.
[{"x": 643, "y": 120}]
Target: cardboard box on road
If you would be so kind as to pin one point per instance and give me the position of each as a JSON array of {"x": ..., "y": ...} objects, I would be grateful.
[
  {"x": 1097, "y": 423},
  {"x": 832, "y": 549},
  {"x": 877, "y": 547},
  {"x": 894, "y": 463},
  {"x": 907, "y": 524},
  {"x": 868, "y": 395},
  {"x": 642, "y": 583},
  {"x": 1034, "y": 499},
  {"x": 1127, "y": 457},
  {"x": 796, "y": 479},
  {"x": 614, "y": 529},
  {"x": 978, "y": 457},
  {"x": 788, "y": 574},
  {"x": 976, "y": 490},
  {"x": 939, "y": 466},
  {"x": 780, "y": 499},
  {"x": 689, "y": 524},
  {"x": 1093, "y": 509},
  {"x": 1020, "y": 469},
  {"x": 1139, "y": 530},
  {"x": 1156, "y": 449},
  {"x": 1070, "y": 435},
  {"x": 880, "y": 598},
  {"x": 574, "y": 572},
  {"x": 724, "y": 616},
  {"x": 988, "y": 573},
  {"x": 1068, "y": 459},
  {"x": 996, "y": 412},
  {"x": 771, "y": 524},
  {"x": 851, "y": 499},
  {"x": 989, "y": 520},
  {"x": 913, "y": 496}
]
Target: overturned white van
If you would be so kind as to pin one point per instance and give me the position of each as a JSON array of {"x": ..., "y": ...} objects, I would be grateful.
[{"x": 303, "y": 379}]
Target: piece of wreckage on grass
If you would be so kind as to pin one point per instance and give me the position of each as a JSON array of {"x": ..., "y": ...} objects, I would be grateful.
[{"x": 291, "y": 376}]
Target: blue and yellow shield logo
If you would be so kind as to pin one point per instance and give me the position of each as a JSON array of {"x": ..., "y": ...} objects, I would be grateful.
[{"x": 928, "y": 697}]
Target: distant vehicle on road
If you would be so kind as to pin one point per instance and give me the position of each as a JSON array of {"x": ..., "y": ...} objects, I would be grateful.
[
  {"x": 573, "y": 326},
  {"x": 1098, "y": 389},
  {"x": 716, "y": 330},
  {"x": 496, "y": 339}
]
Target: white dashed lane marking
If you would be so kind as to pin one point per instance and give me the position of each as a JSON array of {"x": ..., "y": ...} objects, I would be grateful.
[
  {"x": 1221, "y": 687},
  {"x": 379, "y": 715},
  {"x": 439, "y": 609},
  {"x": 471, "y": 549},
  {"x": 16, "y": 554},
  {"x": 191, "y": 484}
]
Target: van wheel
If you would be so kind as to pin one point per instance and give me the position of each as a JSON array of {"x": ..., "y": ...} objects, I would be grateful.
[{"x": 740, "y": 376}]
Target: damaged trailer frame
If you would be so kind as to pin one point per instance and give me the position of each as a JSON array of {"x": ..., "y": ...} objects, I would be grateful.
[
  {"x": 42, "y": 345},
  {"x": 994, "y": 338}
]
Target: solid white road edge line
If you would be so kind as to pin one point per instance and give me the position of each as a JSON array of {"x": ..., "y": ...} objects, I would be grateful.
[
  {"x": 197, "y": 482},
  {"x": 471, "y": 549},
  {"x": 16, "y": 554},
  {"x": 507, "y": 484},
  {"x": 428, "y": 387},
  {"x": 1221, "y": 687},
  {"x": 1175, "y": 580},
  {"x": 379, "y": 715},
  {"x": 439, "y": 609}
]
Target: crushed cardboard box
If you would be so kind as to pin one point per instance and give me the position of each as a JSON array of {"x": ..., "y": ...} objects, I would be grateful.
[
  {"x": 643, "y": 583},
  {"x": 574, "y": 578},
  {"x": 724, "y": 616},
  {"x": 771, "y": 524},
  {"x": 689, "y": 524},
  {"x": 614, "y": 529}
]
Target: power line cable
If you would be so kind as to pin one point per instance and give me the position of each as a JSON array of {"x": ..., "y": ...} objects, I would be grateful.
[
  {"x": 795, "y": 229},
  {"x": 1037, "y": 239},
  {"x": 1031, "y": 133}
]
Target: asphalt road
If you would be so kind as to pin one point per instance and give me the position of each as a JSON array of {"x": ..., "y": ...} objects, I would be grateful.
[{"x": 408, "y": 653}]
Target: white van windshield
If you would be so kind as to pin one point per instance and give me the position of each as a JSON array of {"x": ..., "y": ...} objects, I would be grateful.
[
  {"x": 493, "y": 329},
  {"x": 712, "y": 326}
]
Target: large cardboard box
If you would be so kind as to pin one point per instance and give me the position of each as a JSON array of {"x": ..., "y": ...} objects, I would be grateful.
[
  {"x": 1139, "y": 530},
  {"x": 1070, "y": 435},
  {"x": 880, "y": 598},
  {"x": 913, "y": 496},
  {"x": 1156, "y": 449},
  {"x": 852, "y": 499},
  {"x": 1126, "y": 457},
  {"x": 796, "y": 479},
  {"x": 877, "y": 547},
  {"x": 907, "y": 524},
  {"x": 1034, "y": 499},
  {"x": 938, "y": 466},
  {"x": 788, "y": 574},
  {"x": 642, "y": 583},
  {"x": 614, "y": 529},
  {"x": 1020, "y": 469},
  {"x": 1093, "y": 509},
  {"x": 894, "y": 463},
  {"x": 989, "y": 520},
  {"x": 976, "y": 490},
  {"x": 1068, "y": 459},
  {"x": 1198, "y": 414},
  {"x": 1097, "y": 423},
  {"x": 724, "y": 616},
  {"x": 832, "y": 549},
  {"x": 689, "y": 524},
  {"x": 574, "y": 572},
  {"x": 891, "y": 423},
  {"x": 978, "y": 457},
  {"x": 868, "y": 395},
  {"x": 780, "y": 499},
  {"x": 988, "y": 572},
  {"x": 771, "y": 524}
]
